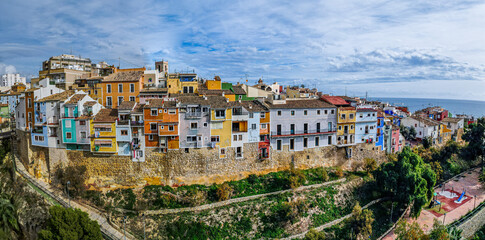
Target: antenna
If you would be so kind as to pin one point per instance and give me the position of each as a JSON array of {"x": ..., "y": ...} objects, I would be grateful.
[{"x": 119, "y": 62}]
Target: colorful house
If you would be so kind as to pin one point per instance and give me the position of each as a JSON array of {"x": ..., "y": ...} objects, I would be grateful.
[
  {"x": 161, "y": 124},
  {"x": 195, "y": 131},
  {"x": 182, "y": 83},
  {"x": 366, "y": 125},
  {"x": 380, "y": 130},
  {"x": 258, "y": 126},
  {"x": 103, "y": 132},
  {"x": 121, "y": 86},
  {"x": 221, "y": 124},
  {"x": 345, "y": 121}
]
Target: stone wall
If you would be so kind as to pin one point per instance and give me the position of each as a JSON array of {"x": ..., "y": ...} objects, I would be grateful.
[
  {"x": 473, "y": 224},
  {"x": 197, "y": 166}
]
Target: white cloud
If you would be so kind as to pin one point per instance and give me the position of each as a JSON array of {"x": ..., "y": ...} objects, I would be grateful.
[{"x": 4, "y": 68}]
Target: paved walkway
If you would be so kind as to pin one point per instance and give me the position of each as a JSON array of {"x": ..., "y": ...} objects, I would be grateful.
[
  {"x": 466, "y": 181},
  {"x": 109, "y": 232},
  {"x": 231, "y": 201}
]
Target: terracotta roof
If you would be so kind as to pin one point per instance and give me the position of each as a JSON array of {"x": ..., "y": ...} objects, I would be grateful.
[
  {"x": 335, "y": 100},
  {"x": 89, "y": 103},
  {"x": 154, "y": 90},
  {"x": 306, "y": 103},
  {"x": 126, "y": 76},
  {"x": 127, "y": 105},
  {"x": 57, "y": 97},
  {"x": 106, "y": 115},
  {"x": 31, "y": 90},
  {"x": 3, "y": 105},
  {"x": 346, "y": 108},
  {"x": 452, "y": 119},
  {"x": 366, "y": 110},
  {"x": 138, "y": 108},
  {"x": 238, "y": 90},
  {"x": 202, "y": 89},
  {"x": 254, "y": 106},
  {"x": 159, "y": 103},
  {"x": 426, "y": 121},
  {"x": 76, "y": 98},
  {"x": 83, "y": 117}
]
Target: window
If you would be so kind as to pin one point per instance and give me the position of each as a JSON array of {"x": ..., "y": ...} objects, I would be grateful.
[
  {"x": 317, "y": 141},
  {"x": 279, "y": 113},
  {"x": 278, "y": 145},
  {"x": 342, "y": 116},
  {"x": 251, "y": 115},
  {"x": 220, "y": 113},
  {"x": 263, "y": 126},
  {"x": 171, "y": 128},
  {"x": 253, "y": 126},
  {"x": 292, "y": 144},
  {"x": 234, "y": 138},
  {"x": 240, "y": 137},
  {"x": 172, "y": 111},
  {"x": 305, "y": 142},
  {"x": 30, "y": 116},
  {"x": 154, "y": 112},
  {"x": 153, "y": 126},
  {"x": 132, "y": 87},
  {"x": 132, "y": 99},
  {"x": 222, "y": 151},
  {"x": 206, "y": 124},
  {"x": 83, "y": 134},
  {"x": 318, "y": 112},
  {"x": 318, "y": 127},
  {"x": 239, "y": 152},
  {"x": 262, "y": 115},
  {"x": 120, "y": 100},
  {"x": 214, "y": 138},
  {"x": 109, "y": 102},
  {"x": 204, "y": 109},
  {"x": 149, "y": 79},
  {"x": 292, "y": 112},
  {"x": 67, "y": 123},
  {"x": 325, "y": 111},
  {"x": 332, "y": 111},
  {"x": 329, "y": 140},
  {"x": 82, "y": 123},
  {"x": 124, "y": 132},
  {"x": 108, "y": 88},
  {"x": 351, "y": 116},
  {"x": 191, "y": 138},
  {"x": 193, "y": 125},
  {"x": 96, "y": 92},
  {"x": 305, "y": 112},
  {"x": 150, "y": 137},
  {"x": 351, "y": 126},
  {"x": 339, "y": 127},
  {"x": 120, "y": 88},
  {"x": 68, "y": 135},
  {"x": 29, "y": 101}
]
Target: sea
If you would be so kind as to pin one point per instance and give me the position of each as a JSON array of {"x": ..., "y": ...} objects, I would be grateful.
[{"x": 469, "y": 107}]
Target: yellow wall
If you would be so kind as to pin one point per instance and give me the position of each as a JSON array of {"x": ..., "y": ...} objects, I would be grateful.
[
  {"x": 104, "y": 136},
  {"x": 351, "y": 127},
  {"x": 175, "y": 86},
  {"x": 347, "y": 114},
  {"x": 213, "y": 84},
  {"x": 225, "y": 132}
]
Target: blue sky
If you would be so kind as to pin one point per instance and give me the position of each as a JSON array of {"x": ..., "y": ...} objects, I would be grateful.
[{"x": 430, "y": 49}]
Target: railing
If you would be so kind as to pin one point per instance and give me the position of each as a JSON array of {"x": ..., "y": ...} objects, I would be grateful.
[
  {"x": 193, "y": 114},
  {"x": 136, "y": 123},
  {"x": 302, "y": 132},
  {"x": 123, "y": 122}
]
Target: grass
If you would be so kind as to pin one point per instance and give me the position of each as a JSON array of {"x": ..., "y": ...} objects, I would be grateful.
[
  {"x": 437, "y": 209},
  {"x": 45, "y": 195}
]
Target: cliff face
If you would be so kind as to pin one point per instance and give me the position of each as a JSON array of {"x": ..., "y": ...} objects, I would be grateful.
[{"x": 177, "y": 167}]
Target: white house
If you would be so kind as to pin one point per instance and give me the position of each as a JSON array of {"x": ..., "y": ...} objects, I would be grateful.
[{"x": 425, "y": 127}]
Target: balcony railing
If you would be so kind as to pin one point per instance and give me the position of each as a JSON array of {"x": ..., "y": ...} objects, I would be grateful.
[
  {"x": 193, "y": 114},
  {"x": 137, "y": 123},
  {"x": 303, "y": 132},
  {"x": 123, "y": 122}
]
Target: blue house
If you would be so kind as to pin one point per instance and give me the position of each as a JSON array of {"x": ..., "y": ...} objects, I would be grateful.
[
  {"x": 39, "y": 131},
  {"x": 380, "y": 131}
]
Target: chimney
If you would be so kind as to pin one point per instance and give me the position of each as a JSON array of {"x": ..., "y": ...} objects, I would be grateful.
[
  {"x": 223, "y": 94},
  {"x": 205, "y": 98},
  {"x": 227, "y": 99}
]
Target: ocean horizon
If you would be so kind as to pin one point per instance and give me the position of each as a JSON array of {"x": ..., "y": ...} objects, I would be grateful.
[{"x": 474, "y": 108}]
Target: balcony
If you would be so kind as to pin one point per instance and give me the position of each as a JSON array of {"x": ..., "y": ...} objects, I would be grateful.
[
  {"x": 193, "y": 114},
  {"x": 123, "y": 122},
  {"x": 137, "y": 123},
  {"x": 302, "y": 132}
]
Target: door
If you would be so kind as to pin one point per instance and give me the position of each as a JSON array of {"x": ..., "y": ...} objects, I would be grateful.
[
  {"x": 346, "y": 129},
  {"x": 318, "y": 127},
  {"x": 278, "y": 130},
  {"x": 305, "y": 128},
  {"x": 329, "y": 126},
  {"x": 292, "y": 129}
]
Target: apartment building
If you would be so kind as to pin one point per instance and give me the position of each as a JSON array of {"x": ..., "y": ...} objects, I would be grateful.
[{"x": 123, "y": 85}]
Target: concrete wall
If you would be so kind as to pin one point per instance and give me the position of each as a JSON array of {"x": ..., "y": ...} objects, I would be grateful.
[
  {"x": 176, "y": 167},
  {"x": 473, "y": 224}
]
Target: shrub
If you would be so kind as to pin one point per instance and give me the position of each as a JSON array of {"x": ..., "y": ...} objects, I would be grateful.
[
  {"x": 314, "y": 235},
  {"x": 339, "y": 172},
  {"x": 370, "y": 165},
  {"x": 75, "y": 175},
  {"x": 323, "y": 174},
  {"x": 223, "y": 192}
]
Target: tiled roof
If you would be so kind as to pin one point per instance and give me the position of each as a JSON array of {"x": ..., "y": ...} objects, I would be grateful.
[
  {"x": 366, "y": 110},
  {"x": 238, "y": 90},
  {"x": 154, "y": 90},
  {"x": 204, "y": 91},
  {"x": 426, "y": 121},
  {"x": 138, "y": 108},
  {"x": 452, "y": 119},
  {"x": 254, "y": 106},
  {"x": 127, "y": 76},
  {"x": 89, "y": 103},
  {"x": 32, "y": 89},
  {"x": 127, "y": 105},
  {"x": 57, "y": 97},
  {"x": 335, "y": 100},
  {"x": 76, "y": 98},
  {"x": 346, "y": 108},
  {"x": 3, "y": 105},
  {"x": 106, "y": 115},
  {"x": 159, "y": 103},
  {"x": 213, "y": 101},
  {"x": 307, "y": 103}
]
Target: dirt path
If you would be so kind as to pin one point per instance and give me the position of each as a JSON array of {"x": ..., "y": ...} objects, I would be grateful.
[{"x": 464, "y": 181}]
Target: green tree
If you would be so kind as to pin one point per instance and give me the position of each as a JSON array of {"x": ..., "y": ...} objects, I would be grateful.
[
  {"x": 475, "y": 136},
  {"x": 370, "y": 165},
  {"x": 412, "y": 133},
  {"x": 314, "y": 235},
  {"x": 438, "y": 170},
  {"x": 408, "y": 180},
  {"x": 69, "y": 224},
  {"x": 75, "y": 175},
  {"x": 8, "y": 217},
  {"x": 439, "y": 231},
  {"x": 361, "y": 222},
  {"x": 410, "y": 231},
  {"x": 223, "y": 192},
  {"x": 427, "y": 142}
]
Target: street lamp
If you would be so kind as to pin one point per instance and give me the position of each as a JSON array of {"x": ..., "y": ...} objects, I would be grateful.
[{"x": 67, "y": 190}]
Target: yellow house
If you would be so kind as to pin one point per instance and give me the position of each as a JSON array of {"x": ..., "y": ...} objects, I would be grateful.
[
  {"x": 182, "y": 83},
  {"x": 103, "y": 132},
  {"x": 221, "y": 124},
  {"x": 214, "y": 84},
  {"x": 346, "y": 125}
]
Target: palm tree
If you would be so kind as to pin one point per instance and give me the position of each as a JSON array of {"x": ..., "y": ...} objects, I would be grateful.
[{"x": 8, "y": 220}]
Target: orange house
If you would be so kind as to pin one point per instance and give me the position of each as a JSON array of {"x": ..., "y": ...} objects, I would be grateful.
[
  {"x": 161, "y": 124},
  {"x": 123, "y": 85}
]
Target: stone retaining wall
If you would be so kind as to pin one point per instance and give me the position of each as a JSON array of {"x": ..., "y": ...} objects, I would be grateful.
[
  {"x": 473, "y": 224},
  {"x": 177, "y": 167}
]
